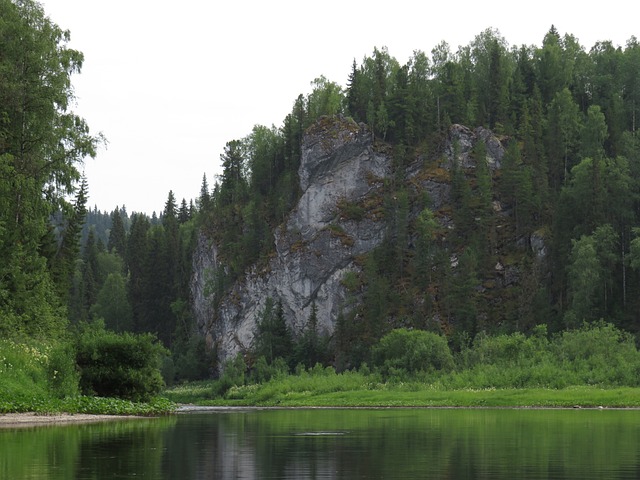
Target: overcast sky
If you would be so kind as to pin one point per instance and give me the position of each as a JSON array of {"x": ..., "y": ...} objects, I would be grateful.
[{"x": 169, "y": 83}]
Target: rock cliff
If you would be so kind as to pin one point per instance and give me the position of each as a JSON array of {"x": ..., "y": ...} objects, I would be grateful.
[{"x": 342, "y": 175}]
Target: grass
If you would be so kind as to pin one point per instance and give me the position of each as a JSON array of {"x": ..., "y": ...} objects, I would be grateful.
[{"x": 351, "y": 389}]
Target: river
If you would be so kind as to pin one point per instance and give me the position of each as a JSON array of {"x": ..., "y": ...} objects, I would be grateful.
[{"x": 334, "y": 444}]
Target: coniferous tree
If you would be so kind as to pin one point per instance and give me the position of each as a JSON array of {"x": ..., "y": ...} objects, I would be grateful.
[
  {"x": 90, "y": 275},
  {"x": 183, "y": 213},
  {"x": 137, "y": 254},
  {"x": 312, "y": 346},
  {"x": 204, "y": 200},
  {"x": 117, "y": 234},
  {"x": 66, "y": 243},
  {"x": 273, "y": 338},
  {"x": 112, "y": 304}
]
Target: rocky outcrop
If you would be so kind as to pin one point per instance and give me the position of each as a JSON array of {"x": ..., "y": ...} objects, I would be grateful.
[
  {"x": 316, "y": 246},
  {"x": 462, "y": 140},
  {"x": 342, "y": 175}
]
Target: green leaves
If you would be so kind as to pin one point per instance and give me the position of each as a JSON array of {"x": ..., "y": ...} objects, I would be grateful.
[
  {"x": 41, "y": 142},
  {"x": 119, "y": 365},
  {"x": 403, "y": 352}
]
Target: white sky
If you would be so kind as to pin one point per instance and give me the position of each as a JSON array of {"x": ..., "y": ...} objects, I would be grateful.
[{"x": 169, "y": 83}]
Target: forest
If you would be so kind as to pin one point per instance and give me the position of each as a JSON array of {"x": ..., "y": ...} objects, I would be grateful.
[{"x": 567, "y": 116}]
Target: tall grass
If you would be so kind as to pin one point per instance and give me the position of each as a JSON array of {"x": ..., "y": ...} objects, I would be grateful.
[{"x": 35, "y": 370}]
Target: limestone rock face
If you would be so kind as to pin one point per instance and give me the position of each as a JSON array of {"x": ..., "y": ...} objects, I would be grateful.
[
  {"x": 315, "y": 247},
  {"x": 336, "y": 219},
  {"x": 205, "y": 260},
  {"x": 461, "y": 140}
]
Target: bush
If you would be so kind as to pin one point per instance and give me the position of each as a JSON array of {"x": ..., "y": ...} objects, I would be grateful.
[
  {"x": 63, "y": 373},
  {"x": 233, "y": 376},
  {"x": 599, "y": 353},
  {"x": 411, "y": 351},
  {"x": 262, "y": 371},
  {"x": 511, "y": 350},
  {"x": 121, "y": 365}
]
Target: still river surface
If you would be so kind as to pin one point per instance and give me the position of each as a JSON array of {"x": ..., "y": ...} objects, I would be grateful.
[{"x": 335, "y": 444}]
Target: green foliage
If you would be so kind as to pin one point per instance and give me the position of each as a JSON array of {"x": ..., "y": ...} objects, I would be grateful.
[
  {"x": 417, "y": 368},
  {"x": 41, "y": 144},
  {"x": 89, "y": 405},
  {"x": 118, "y": 365},
  {"x": 408, "y": 352},
  {"x": 283, "y": 389},
  {"x": 595, "y": 354},
  {"x": 35, "y": 375},
  {"x": 24, "y": 370},
  {"x": 506, "y": 351},
  {"x": 112, "y": 304},
  {"x": 191, "y": 361},
  {"x": 264, "y": 371},
  {"x": 312, "y": 346},
  {"x": 599, "y": 353},
  {"x": 350, "y": 210},
  {"x": 272, "y": 338},
  {"x": 62, "y": 370},
  {"x": 234, "y": 372}
]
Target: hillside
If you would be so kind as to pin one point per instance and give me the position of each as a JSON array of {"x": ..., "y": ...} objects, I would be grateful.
[{"x": 376, "y": 207}]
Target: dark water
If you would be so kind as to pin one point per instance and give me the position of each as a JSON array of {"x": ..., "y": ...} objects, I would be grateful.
[{"x": 336, "y": 444}]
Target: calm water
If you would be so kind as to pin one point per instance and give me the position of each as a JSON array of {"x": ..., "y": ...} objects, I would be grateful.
[{"x": 336, "y": 444}]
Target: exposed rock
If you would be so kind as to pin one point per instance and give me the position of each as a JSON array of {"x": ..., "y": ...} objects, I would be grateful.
[
  {"x": 462, "y": 140},
  {"x": 538, "y": 245},
  {"x": 314, "y": 248},
  {"x": 205, "y": 259},
  {"x": 340, "y": 172}
]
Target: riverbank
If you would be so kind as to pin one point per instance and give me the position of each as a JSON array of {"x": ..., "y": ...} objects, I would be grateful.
[
  {"x": 31, "y": 419},
  {"x": 338, "y": 391}
]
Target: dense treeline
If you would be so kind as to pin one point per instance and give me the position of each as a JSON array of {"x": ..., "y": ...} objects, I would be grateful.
[
  {"x": 133, "y": 274},
  {"x": 42, "y": 143},
  {"x": 45, "y": 279},
  {"x": 568, "y": 119}
]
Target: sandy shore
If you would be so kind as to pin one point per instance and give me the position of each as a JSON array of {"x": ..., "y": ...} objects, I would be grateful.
[{"x": 13, "y": 420}]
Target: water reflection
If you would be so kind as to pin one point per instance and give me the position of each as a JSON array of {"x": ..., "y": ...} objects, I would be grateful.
[{"x": 335, "y": 444}]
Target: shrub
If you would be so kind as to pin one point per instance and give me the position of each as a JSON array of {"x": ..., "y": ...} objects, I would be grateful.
[
  {"x": 63, "y": 373},
  {"x": 233, "y": 376},
  {"x": 262, "y": 371},
  {"x": 412, "y": 351},
  {"x": 121, "y": 365},
  {"x": 508, "y": 350},
  {"x": 599, "y": 353}
]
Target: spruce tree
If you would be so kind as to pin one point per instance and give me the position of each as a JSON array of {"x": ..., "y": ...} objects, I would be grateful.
[{"x": 117, "y": 235}]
